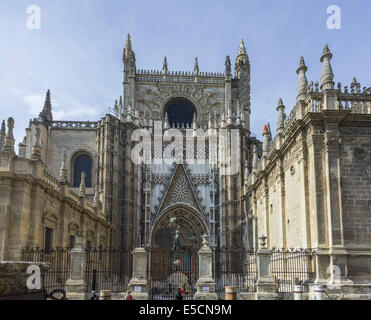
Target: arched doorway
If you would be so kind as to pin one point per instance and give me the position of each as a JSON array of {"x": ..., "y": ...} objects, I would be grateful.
[{"x": 176, "y": 239}]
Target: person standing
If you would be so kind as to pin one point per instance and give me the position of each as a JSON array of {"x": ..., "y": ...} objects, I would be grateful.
[
  {"x": 179, "y": 294},
  {"x": 129, "y": 296}
]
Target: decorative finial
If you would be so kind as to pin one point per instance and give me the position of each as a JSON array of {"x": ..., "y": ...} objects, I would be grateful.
[
  {"x": 2, "y": 131},
  {"x": 63, "y": 170},
  {"x": 241, "y": 48},
  {"x": 327, "y": 75},
  {"x": 46, "y": 113},
  {"x": 96, "y": 198},
  {"x": 36, "y": 148},
  {"x": 302, "y": 81},
  {"x": 82, "y": 189},
  {"x": 228, "y": 70},
  {"x": 164, "y": 67},
  {"x": 255, "y": 158},
  {"x": 196, "y": 69},
  {"x": 9, "y": 138},
  {"x": 281, "y": 116}
]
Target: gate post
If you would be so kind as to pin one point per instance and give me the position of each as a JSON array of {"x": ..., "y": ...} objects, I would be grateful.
[
  {"x": 76, "y": 288},
  {"x": 205, "y": 283},
  {"x": 265, "y": 286},
  {"x": 138, "y": 282}
]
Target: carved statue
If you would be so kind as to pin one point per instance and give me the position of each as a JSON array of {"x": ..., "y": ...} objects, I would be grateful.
[{"x": 176, "y": 241}]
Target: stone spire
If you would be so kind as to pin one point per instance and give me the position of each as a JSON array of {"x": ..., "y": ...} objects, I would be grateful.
[
  {"x": 302, "y": 82},
  {"x": 63, "y": 170},
  {"x": 128, "y": 48},
  {"x": 129, "y": 60},
  {"x": 241, "y": 48},
  {"x": 265, "y": 140},
  {"x": 254, "y": 158},
  {"x": 228, "y": 70},
  {"x": 82, "y": 189},
  {"x": 96, "y": 198},
  {"x": 9, "y": 138},
  {"x": 46, "y": 113},
  {"x": 196, "y": 69},
  {"x": 281, "y": 116},
  {"x": 242, "y": 65},
  {"x": 164, "y": 67},
  {"x": 327, "y": 75},
  {"x": 2, "y": 135}
]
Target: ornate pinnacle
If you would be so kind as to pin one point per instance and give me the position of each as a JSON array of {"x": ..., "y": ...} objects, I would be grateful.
[
  {"x": 255, "y": 157},
  {"x": 96, "y": 198},
  {"x": 9, "y": 138},
  {"x": 164, "y": 67},
  {"x": 36, "y": 148},
  {"x": 241, "y": 48},
  {"x": 82, "y": 189},
  {"x": 302, "y": 82},
  {"x": 196, "y": 70},
  {"x": 46, "y": 113},
  {"x": 327, "y": 75},
  {"x": 228, "y": 70},
  {"x": 281, "y": 116},
  {"x": 63, "y": 170},
  {"x": 2, "y": 131}
]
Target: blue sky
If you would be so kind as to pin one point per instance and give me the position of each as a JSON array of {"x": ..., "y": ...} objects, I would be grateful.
[{"x": 77, "y": 53}]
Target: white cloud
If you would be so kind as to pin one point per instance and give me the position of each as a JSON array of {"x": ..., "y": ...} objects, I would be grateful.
[
  {"x": 71, "y": 110},
  {"x": 35, "y": 103}
]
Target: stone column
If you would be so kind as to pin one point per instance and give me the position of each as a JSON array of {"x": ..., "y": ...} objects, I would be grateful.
[
  {"x": 76, "y": 288},
  {"x": 265, "y": 284},
  {"x": 205, "y": 282},
  {"x": 138, "y": 283}
]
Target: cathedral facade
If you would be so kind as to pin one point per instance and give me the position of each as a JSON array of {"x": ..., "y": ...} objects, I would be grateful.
[{"x": 308, "y": 187}]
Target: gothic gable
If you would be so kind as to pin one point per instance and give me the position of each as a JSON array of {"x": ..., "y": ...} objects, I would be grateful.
[{"x": 180, "y": 190}]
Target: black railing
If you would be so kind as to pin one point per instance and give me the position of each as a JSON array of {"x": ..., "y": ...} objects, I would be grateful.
[
  {"x": 59, "y": 260},
  {"x": 292, "y": 266},
  {"x": 105, "y": 269},
  {"x": 168, "y": 270},
  {"x": 235, "y": 268},
  {"x": 108, "y": 269}
]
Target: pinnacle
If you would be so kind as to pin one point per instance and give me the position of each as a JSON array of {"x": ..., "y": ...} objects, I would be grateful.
[{"x": 242, "y": 48}]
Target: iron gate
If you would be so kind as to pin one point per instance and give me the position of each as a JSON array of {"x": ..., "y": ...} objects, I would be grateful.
[{"x": 168, "y": 270}]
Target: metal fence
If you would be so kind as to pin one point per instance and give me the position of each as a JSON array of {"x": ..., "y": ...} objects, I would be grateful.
[
  {"x": 168, "y": 270},
  {"x": 105, "y": 269},
  {"x": 59, "y": 260},
  {"x": 235, "y": 268},
  {"x": 292, "y": 266}
]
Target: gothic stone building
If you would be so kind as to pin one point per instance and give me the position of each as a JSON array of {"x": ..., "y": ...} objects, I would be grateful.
[{"x": 308, "y": 187}]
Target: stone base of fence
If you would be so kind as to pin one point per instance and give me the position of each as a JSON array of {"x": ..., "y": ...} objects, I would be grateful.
[{"x": 76, "y": 290}]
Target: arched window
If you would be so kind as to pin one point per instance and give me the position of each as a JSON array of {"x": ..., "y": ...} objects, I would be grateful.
[
  {"x": 180, "y": 111},
  {"x": 82, "y": 163}
]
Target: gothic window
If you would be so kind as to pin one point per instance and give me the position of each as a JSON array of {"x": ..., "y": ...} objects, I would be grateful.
[
  {"x": 72, "y": 242},
  {"x": 82, "y": 163},
  {"x": 180, "y": 111},
  {"x": 48, "y": 245}
]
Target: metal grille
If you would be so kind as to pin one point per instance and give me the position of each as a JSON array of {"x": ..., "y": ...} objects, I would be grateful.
[
  {"x": 235, "y": 268},
  {"x": 108, "y": 269},
  {"x": 59, "y": 259},
  {"x": 105, "y": 269},
  {"x": 292, "y": 266},
  {"x": 169, "y": 270}
]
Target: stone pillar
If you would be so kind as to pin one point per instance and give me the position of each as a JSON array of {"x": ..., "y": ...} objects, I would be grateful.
[
  {"x": 76, "y": 288},
  {"x": 205, "y": 282},
  {"x": 138, "y": 282},
  {"x": 265, "y": 286}
]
